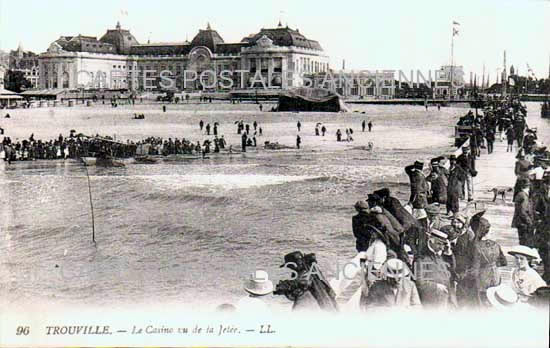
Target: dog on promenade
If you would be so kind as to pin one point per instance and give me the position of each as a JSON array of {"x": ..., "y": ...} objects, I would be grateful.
[{"x": 500, "y": 191}]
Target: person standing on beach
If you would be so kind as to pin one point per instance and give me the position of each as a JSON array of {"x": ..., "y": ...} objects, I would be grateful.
[
  {"x": 370, "y": 126},
  {"x": 208, "y": 129},
  {"x": 363, "y": 125},
  {"x": 298, "y": 141},
  {"x": 243, "y": 142},
  {"x": 298, "y": 125},
  {"x": 323, "y": 130},
  {"x": 201, "y": 124},
  {"x": 338, "y": 135},
  {"x": 255, "y": 124}
]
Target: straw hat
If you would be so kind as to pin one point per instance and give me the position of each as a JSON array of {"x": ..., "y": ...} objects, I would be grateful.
[
  {"x": 525, "y": 251},
  {"x": 259, "y": 284},
  {"x": 438, "y": 234},
  {"x": 396, "y": 268},
  {"x": 502, "y": 296}
]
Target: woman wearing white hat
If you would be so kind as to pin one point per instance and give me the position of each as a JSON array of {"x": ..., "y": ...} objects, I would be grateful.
[
  {"x": 525, "y": 280},
  {"x": 257, "y": 286}
]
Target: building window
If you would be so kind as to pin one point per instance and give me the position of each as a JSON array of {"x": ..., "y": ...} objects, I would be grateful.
[{"x": 277, "y": 65}]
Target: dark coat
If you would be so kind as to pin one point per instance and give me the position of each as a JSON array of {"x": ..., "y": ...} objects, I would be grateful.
[
  {"x": 397, "y": 227},
  {"x": 431, "y": 270},
  {"x": 457, "y": 176},
  {"x": 468, "y": 163},
  {"x": 438, "y": 187},
  {"x": 419, "y": 188},
  {"x": 362, "y": 230},
  {"x": 524, "y": 212},
  {"x": 393, "y": 206}
]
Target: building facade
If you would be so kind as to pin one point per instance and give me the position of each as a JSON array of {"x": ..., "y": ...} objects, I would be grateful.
[
  {"x": 446, "y": 75},
  {"x": 272, "y": 58},
  {"x": 25, "y": 62}
]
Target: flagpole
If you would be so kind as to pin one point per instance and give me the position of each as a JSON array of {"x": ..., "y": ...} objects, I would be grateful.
[{"x": 452, "y": 60}]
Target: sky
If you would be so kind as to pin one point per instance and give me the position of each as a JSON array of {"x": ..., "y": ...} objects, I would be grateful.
[{"x": 369, "y": 35}]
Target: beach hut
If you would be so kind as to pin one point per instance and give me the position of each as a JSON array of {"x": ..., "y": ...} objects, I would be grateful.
[{"x": 8, "y": 98}]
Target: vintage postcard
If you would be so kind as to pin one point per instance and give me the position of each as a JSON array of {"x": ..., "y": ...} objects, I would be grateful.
[{"x": 274, "y": 173}]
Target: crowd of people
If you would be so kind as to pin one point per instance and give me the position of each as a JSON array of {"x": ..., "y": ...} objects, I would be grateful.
[{"x": 430, "y": 253}]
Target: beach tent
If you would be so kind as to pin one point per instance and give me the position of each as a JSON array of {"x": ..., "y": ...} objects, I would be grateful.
[
  {"x": 311, "y": 99},
  {"x": 8, "y": 97}
]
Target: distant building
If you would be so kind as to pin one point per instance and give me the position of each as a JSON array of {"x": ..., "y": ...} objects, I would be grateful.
[
  {"x": 441, "y": 85},
  {"x": 274, "y": 57},
  {"x": 360, "y": 84},
  {"x": 26, "y": 62}
]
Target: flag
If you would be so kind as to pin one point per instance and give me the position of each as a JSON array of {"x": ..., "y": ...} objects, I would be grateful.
[
  {"x": 455, "y": 32},
  {"x": 456, "y": 23}
]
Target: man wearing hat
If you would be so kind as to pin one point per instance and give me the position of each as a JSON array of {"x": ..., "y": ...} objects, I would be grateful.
[
  {"x": 525, "y": 280},
  {"x": 438, "y": 181},
  {"x": 523, "y": 218},
  {"x": 396, "y": 289},
  {"x": 419, "y": 186},
  {"x": 465, "y": 270},
  {"x": 521, "y": 169},
  {"x": 468, "y": 163},
  {"x": 433, "y": 273},
  {"x": 457, "y": 176}
]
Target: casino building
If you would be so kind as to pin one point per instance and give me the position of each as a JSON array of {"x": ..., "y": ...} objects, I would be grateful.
[{"x": 275, "y": 57}]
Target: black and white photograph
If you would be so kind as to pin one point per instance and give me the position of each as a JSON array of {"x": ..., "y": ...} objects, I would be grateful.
[{"x": 275, "y": 173}]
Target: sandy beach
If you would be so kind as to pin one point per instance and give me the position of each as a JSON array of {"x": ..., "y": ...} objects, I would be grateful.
[{"x": 394, "y": 126}]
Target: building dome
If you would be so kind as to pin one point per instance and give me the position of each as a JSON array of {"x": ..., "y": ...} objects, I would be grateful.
[
  {"x": 122, "y": 39},
  {"x": 208, "y": 38},
  {"x": 284, "y": 36}
]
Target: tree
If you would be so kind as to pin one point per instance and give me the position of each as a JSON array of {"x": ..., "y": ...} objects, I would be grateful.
[{"x": 15, "y": 81}]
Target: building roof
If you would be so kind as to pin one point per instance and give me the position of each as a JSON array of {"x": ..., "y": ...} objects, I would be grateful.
[
  {"x": 284, "y": 36},
  {"x": 120, "y": 38},
  {"x": 208, "y": 38},
  {"x": 161, "y": 49},
  {"x": 82, "y": 43},
  {"x": 5, "y": 94}
]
